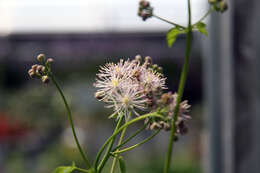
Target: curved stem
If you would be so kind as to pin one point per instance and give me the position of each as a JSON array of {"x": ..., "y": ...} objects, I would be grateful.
[
  {"x": 203, "y": 17},
  {"x": 153, "y": 114},
  {"x": 131, "y": 137},
  {"x": 167, "y": 21},
  {"x": 137, "y": 145},
  {"x": 119, "y": 142},
  {"x": 106, "y": 155},
  {"x": 71, "y": 122},
  {"x": 82, "y": 170},
  {"x": 180, "y": 90}
]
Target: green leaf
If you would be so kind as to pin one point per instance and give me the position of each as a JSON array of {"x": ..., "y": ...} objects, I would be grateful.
[
  {"x": 202, "y": 27},
  {"x": 64, "y": 169},
  {"x": 173, "y": 34},
  {"x": 122, "y": 164}
]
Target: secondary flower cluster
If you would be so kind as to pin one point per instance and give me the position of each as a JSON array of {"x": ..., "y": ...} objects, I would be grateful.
[
  {"x": 168, "y": 101},
  {"x": 132, "y": 87},
  {"x": 41, "y": 71}
]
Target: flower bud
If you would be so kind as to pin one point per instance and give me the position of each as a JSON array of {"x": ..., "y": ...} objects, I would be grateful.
[
  {"x": 40, "y": 69},
  {"x": 155, "y": 126},
  {"x": 31, "y": 73},
  {"x": 50, "y": 61},
  {"x": 155, "y": 67},
  {"x": 160, "y": 69},
  {"x": 99, "y": 95},
  {"x": 34, "y": 67},
  {"x": 223, "y": 6},
  {"x": 212, "y": 1},
  {"x": 148, "y": 60},
  {"x": 146, "y": 4},
  {"x": 45, "y": 79},
  {"x": 41, "y": 57},
  {"x": 166, "y": 98},
  {"x": 138, "y": 58}
]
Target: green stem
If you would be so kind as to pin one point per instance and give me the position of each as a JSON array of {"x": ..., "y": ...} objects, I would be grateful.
[
  {"x": 167, "y": 21},
  {"x": 203, "y": 17},
  {"x": 137, "y": 145},
  {"x": 119, "y": 143},
  {"x": 180, "y": 90},
  {"x": 153, "y": 114},
  {"x": 107, "y": 154},
  {"x": 131, "y": 137},
  {"x": 71, "y": 122},
  {"x": 82, "y": 170}
]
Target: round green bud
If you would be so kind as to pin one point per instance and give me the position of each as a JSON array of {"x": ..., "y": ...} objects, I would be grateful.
[
  {"x": 223, "y": 6},
  {"x": 155, "y": 66},
  {"x": 212, "y": 1}
]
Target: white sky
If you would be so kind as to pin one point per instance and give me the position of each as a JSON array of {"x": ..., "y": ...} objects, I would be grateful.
[{"x": 90, "y": 15}]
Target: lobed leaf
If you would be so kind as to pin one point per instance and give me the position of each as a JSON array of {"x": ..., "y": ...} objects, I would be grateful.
[
  {"x": 173, "y": 34},
  {"x": 202, "y": 27}
]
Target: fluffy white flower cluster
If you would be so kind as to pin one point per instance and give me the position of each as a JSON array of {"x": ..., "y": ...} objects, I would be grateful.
[
  {"x": 129, "y": 86},
  {"x": 132, "y": 86}
]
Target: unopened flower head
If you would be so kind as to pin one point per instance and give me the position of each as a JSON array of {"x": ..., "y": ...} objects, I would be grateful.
[
  {"x": 145, "y": 11},
  {"x": 41, "y": 71}
]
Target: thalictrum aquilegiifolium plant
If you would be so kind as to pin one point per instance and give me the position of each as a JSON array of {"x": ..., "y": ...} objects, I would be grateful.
[{"x": 136, "y": 90}]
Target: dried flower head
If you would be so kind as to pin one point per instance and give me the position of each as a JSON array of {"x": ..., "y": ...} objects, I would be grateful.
[{"x": 169, "y": 100}]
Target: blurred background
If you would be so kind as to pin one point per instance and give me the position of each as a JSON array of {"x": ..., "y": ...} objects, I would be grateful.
[{"x": 223, "y": 84}]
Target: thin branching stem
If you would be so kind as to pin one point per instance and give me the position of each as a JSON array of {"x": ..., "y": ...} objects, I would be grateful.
[
  {"x": 83, "y": 155},
  {"x": 153, "y": 114},
  {"x": 204, "y": 17},
  {"x": 130, "y": 138},
  {"x": 119, "y": 143},
  {"x": 107, "y": 154},
  {"x": 183, "y": 79},
  {"x": 137, "y": 145},
  {"x": 167, "y": 21}
]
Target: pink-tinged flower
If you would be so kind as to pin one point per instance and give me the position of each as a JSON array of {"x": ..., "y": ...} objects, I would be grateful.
[
  {"x": 129, "y": 98},
  {"x": 152, "y": 79},
  {"x": 129, "y": 86}
]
